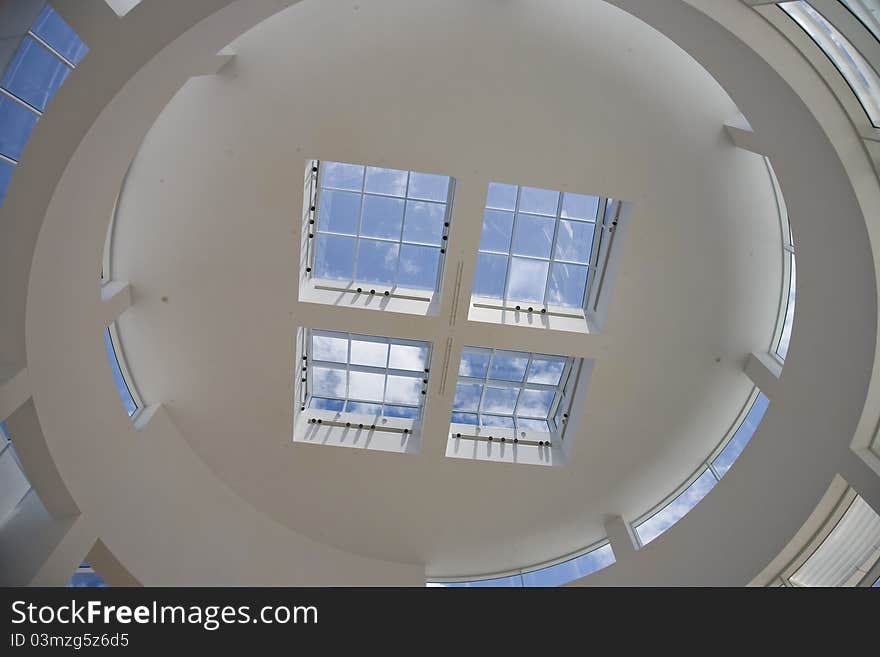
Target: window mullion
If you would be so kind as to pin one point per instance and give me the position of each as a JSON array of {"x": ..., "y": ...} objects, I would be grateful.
[
  {"x": 593, "y": 260},
  {"x": 553, "y": 248},
  {"x": 505, "y": 297},
  {"x": 52, "y": 50},
  {"x": 20, "y": 101},
  {"x": 357, "y": 249}
]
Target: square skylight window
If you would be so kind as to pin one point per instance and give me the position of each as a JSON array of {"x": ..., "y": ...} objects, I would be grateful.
[
  {"x": 511, "y": 390},
  {"x": 538, "y": 247},
  {"x": 384, "y": 229},
  {"x": 366, "y": 375}
]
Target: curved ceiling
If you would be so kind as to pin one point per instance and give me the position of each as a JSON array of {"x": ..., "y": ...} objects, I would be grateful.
[{"x": 586, "y": 98}]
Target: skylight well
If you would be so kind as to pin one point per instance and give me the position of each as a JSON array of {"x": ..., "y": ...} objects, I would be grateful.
[
  {"x": 511, "y": 397},
  {"x": 539, "y": 249},
  {"x": 382, "y": 231},
  {"x": 366, "y": 376},
  {"x": 361, "y": 391}
]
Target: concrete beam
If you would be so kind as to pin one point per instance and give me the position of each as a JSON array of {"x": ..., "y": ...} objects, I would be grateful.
[
  {"x": 764, "y": 371},
  {"x": 28, "y": 539},
  {"x": 620, "y": 535},
  {"x": 143, "y": 418},
  {"x": 744, "y": 138},
  {"x": 14, "y": 390},
  {"x": 63, "y": 560},
  {"x": 37, "y": 462},
  {"x": 115, "y": 300},
  {"x": 863, "y": 479},
  {"x": 214, "y": 65},
  {"x": 111, "y": 570}
]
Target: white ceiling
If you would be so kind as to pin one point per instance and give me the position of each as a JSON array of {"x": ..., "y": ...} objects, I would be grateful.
[{"x": 584, "y": 98}]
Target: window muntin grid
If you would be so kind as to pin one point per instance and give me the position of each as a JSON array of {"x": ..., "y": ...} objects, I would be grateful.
[
  {"x": 367, "y": 375},
  {"x": 510, "y": 389},
  {"x": 381, "y": 227},
  {"x": 858, "y": 73},
  {"x": 538, "y": 247}
]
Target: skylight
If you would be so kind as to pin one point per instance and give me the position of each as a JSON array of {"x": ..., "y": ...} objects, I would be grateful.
[
  {"x": 537, "y": 247},
  {"x": 366, "y": 375},
  {"x": 510, "y": 390},
  {"x": 847, "y": 554},
  {"x": 122, "y": 388},
  {"x": 861, "y": 77},
  {"x": 41, "y": 63},
  {"x": 665, "y": 517},
  {"x": 383, "y": 228}
]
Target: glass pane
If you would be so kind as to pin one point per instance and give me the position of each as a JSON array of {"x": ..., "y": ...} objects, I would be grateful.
[
  {"x": 497, "y": 229},
  {"x": 535, "y": 403},
  {"x": 343, "y": 176},
  {"x": 377, "y": 262},
  {"x": 502, "y": 197},
  {"x": 85, "y": 577},
  {"x": 474, "y": 363},
  {"x": 424, "y": 222},
  {"x": 418, "y": 267},
  {"x": 382, "y": 217},
  {"x": 512, "y": 581},
  {"x": 363, "y": 409},
  {"x": 502, "y": 421},
  {"x": 530, "y": 424},
  {"x": 538, "y": 201},
  {"x": 527, "y": 280},
  {"x": 121, "y": 386},
  {"x": 788, "y": 321},
  {"x": 574, "y": 241},
  {"x": 867, "y": 11},
  {"x": 403, "y": 390},
  {"x": 489, "y": 277},
  {"x": 366, "y": 386},
  {"x": 569, "y": 571},
  {"x": 332, "y": 348},
  {"x": 546, "y": 371},
  {"x": 465, "y": 418},
  {"x": 467, "y": 396},
  {"x": 534, "y": 236},
  {"x": 406, "y": 412},
  {"x": 339, "y": 212},
  {"x": 862, "y": 79},
  {"x": 579, "y": 206},
  {"x": 324, "y": 404},
  {"x": 385, "y": 181},
  {"x": 6, "y": 171},
  {"x": 328, "y": 382},
  {"x": 676, "y": 509},
  {"x": 16, "y": 123},
  {"x": 847, "y": 553},
  {"x": 334, "y": 257},
  {"x": 34, "y": 74},
  {"x": 743, "y": 435},
  {"x": 428, "y": 186},
  {"x": 408, "y": 357},
  {"x": 52, "y": 29},
  {"x": 369, "y": 353},
  {"x": 499, "y": 400},
  {"x": 509, "y": 366},
  {"x": 568, "y": 284}
]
